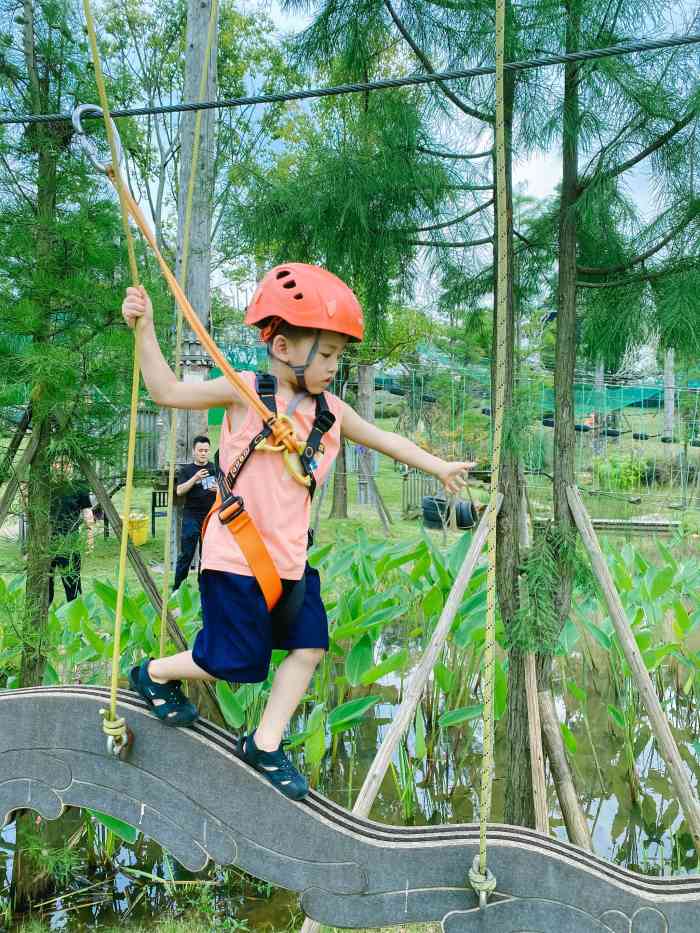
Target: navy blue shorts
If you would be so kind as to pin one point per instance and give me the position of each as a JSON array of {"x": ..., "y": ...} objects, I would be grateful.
[{"x": 239, "y": 634}]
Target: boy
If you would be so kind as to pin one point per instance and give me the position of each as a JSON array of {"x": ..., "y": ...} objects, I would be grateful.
[{"x": 306, "y": 315}]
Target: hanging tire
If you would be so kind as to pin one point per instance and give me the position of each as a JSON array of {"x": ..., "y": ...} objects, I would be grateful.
[{"x": 436, "y": 511}]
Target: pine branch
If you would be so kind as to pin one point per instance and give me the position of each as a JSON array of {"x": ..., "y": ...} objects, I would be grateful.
[
  {"x": 425, "y": 61},
  {"x": 488, "y": 239},
  {"x": 528, "y": 242},
  {"x": 642, "y": 257},
  {"x": 686, "y": 266},
  {"x": 455, "y": 220},
  {"x": 454, "y": 155},
  {"x": 635, "y": 160}
]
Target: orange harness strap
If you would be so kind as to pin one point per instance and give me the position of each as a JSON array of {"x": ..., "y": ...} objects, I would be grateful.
[{"x": 250, "y": 541}]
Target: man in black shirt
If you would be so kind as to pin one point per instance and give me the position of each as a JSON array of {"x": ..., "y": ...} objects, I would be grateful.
[
  {"x": 70, "y": 502},
  {"x": 196, "y": 481}
]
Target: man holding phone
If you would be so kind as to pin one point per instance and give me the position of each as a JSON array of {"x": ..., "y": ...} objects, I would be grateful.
[{"x": 196, "y": 481}]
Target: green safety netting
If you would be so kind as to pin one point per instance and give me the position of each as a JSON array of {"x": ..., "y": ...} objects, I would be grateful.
[{"x": 587, "y": 399}]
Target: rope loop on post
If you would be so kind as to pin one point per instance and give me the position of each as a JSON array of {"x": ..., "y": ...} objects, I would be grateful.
[{"x": 482, "y": 883}]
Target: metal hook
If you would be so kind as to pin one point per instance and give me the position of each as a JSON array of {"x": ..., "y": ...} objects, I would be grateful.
[{"x": 77, "y": 118}]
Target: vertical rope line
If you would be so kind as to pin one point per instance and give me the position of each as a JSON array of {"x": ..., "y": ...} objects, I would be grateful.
[
  {"x": 501, "y": 310},
  {"x": 172, "y": 440},
  {"x": 113, "y": 725}
]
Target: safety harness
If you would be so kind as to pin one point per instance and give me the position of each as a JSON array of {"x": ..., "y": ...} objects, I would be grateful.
[{"x": 231, "y": 508}]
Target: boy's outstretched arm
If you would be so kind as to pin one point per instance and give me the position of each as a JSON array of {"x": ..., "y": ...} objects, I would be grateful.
[
  {"x": 356, "y": 429},
  {"x": 164, "y": 388}
]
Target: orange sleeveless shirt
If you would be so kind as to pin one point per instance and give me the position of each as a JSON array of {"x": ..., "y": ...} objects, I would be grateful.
[{"x": 279, "y": 506}]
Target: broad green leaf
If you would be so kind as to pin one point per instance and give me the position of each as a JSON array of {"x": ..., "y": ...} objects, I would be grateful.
[
  {"x": 463, "y": 714},
  {"x": 73, "y": 612},
  {"x": 393, "y": 663},
  {"x": 655, "y": 656},
  {"x": 315, "y": 747},
  {"x": 458, "y": 552},
  {"x": 405, "y": 556},
  {"x": 667, "y": 555},
  {"x": 617, "y": 716},
  {"x": 359, "y": 660},
  {"x": 662, "y": 582},
  {"x": 317, "y": 555},
  {"x": 623, "y": 580},
  {"x": 682, "y": 619},
  {"x": 348, "y": 714},
  {"x": 444, "y": 677},
  {"x": 231, "y": 707},
  {"x": 368, "y": 620},
  {"x": 50, "y": 676},
  {"x": 569, "y": 738},
  {"x": 500, "y": 691},
  {"x": 597, "y": 633},
  {"x": 433, "y": 602},
  {"x": 94, "y": 639},
  {"x": 125, "y": 831},
  {"x": 577, "y": 692}
]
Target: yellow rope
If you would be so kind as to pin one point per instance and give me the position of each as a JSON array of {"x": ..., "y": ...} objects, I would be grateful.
[
  {"x": 112, "y": 725},
  {"x": 479, "y": 876},
  {"x": 172, "y": 441}
]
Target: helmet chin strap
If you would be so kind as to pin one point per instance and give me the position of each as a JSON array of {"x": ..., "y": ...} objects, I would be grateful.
[{"x": 299, "y": 371}]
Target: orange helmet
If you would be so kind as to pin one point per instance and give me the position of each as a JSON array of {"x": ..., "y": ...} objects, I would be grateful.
[{"x": 306, "y": 296}]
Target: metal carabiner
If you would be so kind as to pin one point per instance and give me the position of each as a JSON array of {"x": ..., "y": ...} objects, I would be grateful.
[{"x": 78, "y": 113}]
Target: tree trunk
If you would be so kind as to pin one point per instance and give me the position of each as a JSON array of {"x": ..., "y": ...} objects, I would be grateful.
[
  {"x": 27, "y": 883},
  {"x": 35, "y": 623},
  {"x": 519, "y": 802},
  {"x": 669, "y": 392},
  {"x": 194, "y": 254},
  {"x": 365, "y": 409},
  {"x": 339, "y": 509},
  {"x": 564, "y": 436},
  {"x": 599, "y": 409}
]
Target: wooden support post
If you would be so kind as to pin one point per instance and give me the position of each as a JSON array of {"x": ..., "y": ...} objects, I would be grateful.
[
  {"x": 576, "y": 824},
  {"x": 416, "y": 682},
  {"x": 14, "y": 444},
  {"x": 13, "y": 482},
  {"x": 659, "y": 724},
  {"x": 203, "y": 689},
  {"x": 539, "y": 784},
  {"x": 366, "y": 469}
]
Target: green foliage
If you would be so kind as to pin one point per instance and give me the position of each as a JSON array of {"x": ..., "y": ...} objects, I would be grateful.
[
  {"x": 345, "y": 197},
  {"x": 536, "y": 625},
  {"x": 619, "y": 472}
]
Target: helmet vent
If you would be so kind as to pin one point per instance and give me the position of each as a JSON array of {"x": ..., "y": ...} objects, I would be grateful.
[
  {"x": 290, "y": 284},
  {"x": 298, "y": 296},
  {"x": 281, "y": 274}
]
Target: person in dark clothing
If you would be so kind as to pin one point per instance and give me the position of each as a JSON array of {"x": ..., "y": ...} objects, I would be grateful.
[
  {"x": 70, "y": 504},
  {"x": 196, "y": 481}
]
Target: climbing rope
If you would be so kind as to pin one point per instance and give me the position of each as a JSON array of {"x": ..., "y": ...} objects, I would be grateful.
[
  {"x": 480, "y": 878},
  {"x": 281, "y": 428},
  {"x": 114, "y": 726},
  {"x": 172, "y": 441}
]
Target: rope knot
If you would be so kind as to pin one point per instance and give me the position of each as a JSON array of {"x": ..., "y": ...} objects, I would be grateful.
[{"x": 483, "y": 883}]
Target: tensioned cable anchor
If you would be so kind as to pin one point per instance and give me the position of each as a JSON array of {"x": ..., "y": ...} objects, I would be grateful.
[{"x": 95, "y": 111}]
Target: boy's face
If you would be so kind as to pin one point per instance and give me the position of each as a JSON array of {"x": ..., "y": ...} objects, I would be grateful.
[{"x": 324, "y": 365}]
